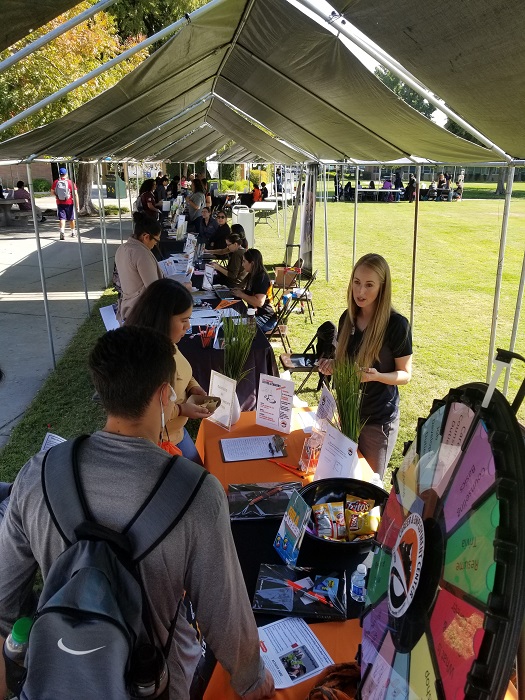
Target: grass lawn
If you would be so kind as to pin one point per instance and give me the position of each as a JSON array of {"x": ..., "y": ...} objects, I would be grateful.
[{"x": 456, "y": 266}]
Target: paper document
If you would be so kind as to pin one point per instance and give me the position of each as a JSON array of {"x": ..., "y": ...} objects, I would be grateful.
[
  {"x": 109, "y": 317},
  {"x": 51, "y": 440},
  {"x": 242, "y": 449},
  {"x": 275, "y": 403},
  {"x": 291, "y": 652},
  {"x": 338, "y": 457}
]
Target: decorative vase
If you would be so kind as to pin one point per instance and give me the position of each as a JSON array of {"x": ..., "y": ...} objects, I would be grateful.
[{"x": 236, "y": 409}]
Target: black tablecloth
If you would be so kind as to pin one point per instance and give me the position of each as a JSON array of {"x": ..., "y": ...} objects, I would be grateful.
[{"x": 261, "y": 359}]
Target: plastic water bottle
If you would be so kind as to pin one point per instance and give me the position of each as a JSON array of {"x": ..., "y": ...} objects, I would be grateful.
[
  {"x": 15, "y": 648},
  {"x": 147, "y": 662},
  {"x": 357, "y": 584},
  {"x": 250, "y": 319}
]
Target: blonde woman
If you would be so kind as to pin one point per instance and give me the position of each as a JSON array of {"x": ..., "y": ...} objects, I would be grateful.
[{"x": 379, "y": 339}]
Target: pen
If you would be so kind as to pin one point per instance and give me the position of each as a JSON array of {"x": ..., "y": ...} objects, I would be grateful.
[
  {"x": 308, "y": 594},
  {"x": 288, "y": 467},
  {"x": 266, "y": 494}
]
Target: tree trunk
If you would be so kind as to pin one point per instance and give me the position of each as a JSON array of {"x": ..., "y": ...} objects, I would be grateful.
[
  {"x": 502, "y": 178},
  {"x": 85, "y": 175}
]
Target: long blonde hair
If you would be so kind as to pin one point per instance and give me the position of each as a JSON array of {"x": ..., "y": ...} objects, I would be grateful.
[{"x": 374, "y": 333}]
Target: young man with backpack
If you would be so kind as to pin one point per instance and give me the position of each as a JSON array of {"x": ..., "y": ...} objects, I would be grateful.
[
  {"x": 64, "y": 190},
  {"x": 120, "y": 531}
]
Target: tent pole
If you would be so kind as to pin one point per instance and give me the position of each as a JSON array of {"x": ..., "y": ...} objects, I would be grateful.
[
  {"x": 276, "y": 206},
  {"x": 109, "y": 64},
  {"x": 517, "y": 312},
  {"x": 325, "y": 204},
  {"x": 499, "y": 271},
  {"x": 284, "y": 201},
  {"x": 101, "y": 213},
  {"x": 71, "y": 172},
  {"x": 41, "y": 264},
  {"x": 354, "y": 239},
  {"x": 129, "y": 190},
  {"x": 414, "y": 246},
  {"x": 61, "y": 29},
  {"x": 117, "y": 184}
]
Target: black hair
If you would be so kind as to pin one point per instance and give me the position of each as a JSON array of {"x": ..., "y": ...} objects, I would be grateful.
[
  {"x": 145, "y": 224},
  {"x": 20, "y": 183},
  {"x": 221, "y": 211},
  {"x": 198, "y": 185},
  {"x": 146, "y": 185},
  {"x": 254, "y": 256},
  {"x": 263, "y": 184},
  {"x": 237, "y": 235},
  {"x": 160, "y": 301},
  {"x": 165, "y": 179},
  {"x": 127, "y": 366}
]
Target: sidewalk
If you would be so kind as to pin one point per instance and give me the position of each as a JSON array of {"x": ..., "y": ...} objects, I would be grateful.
[{"x": 25, "y": 355}]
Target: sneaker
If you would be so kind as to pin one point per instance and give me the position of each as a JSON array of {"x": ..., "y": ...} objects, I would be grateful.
[
  {"x": 43, "y": 219},
  {"x": 72, "y": 234},
  {"x": 61, "y": 236}
]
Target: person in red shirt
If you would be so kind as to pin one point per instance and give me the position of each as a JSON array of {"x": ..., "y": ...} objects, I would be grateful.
[
  {"x": 64, "y": 190},
  {"x": 257, "y": 195}
]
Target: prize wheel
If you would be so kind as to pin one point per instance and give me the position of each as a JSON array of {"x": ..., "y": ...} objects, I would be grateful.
[{"x": 445, "y": 606}]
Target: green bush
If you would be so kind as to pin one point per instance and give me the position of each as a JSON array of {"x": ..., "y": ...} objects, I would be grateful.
[
  {"x": 257, "y": 176},
  {"x": 40, "y": 184}
]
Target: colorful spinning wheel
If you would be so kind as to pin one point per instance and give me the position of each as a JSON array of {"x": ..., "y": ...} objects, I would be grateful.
[{"x": 445, "y": 598}]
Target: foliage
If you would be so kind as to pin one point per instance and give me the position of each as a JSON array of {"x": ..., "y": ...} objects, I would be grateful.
[
  {"x": 257, "y": 176},
  {"x": 57, "y": 64},
  {"x": 238, "y": 339},
  {"x": 40, "y": 184},
  {"x": 406, "y": 93},
  {"x": 226, "y": 171},
  {"x": 459, "y": 131},
  {"x": 149, "y": 16},
  {"x": 236, "y": 186},
  {"x": 347, "y": 389}
]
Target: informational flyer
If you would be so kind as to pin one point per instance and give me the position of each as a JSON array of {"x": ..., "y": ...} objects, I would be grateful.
[
  {"x": 50, "y": 440},
  {"x": 291, "y": 652},
  {"x": 275, "y": 403},
  {"x": 224, "y": 388},
  {"x": 109, "y": 317},
  {"x": 338, "y": 457}
]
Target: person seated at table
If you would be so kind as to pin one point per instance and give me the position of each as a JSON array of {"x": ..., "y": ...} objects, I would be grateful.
[
  {"x": 264, "y": 192},
  {"x": 233, "y": 274},
  {"x": 398, "y": 185},
  {"x": 135, "y": 263},
  {"x": 256, "y": 287},
  {"x": 208, "y": 226},
  {"x": 410, "y": 189},
  {"x": 174, "y": 187},
  {"x": 217, "y": 242},
  {"x": 160, "y": 192},
  {"x": 432, "y": 192},
  {"x": 166, "y": 306},
  {"x": 457, "y": 194},
  {"x": 371, "y": 185},
  {"x": 441, "y": 186},
  {"x": 147, "y": 199},
  {"x": 387, "y": 185},
  {"x": 23, "y": 199},
  {"x": 256, "y": 194}
]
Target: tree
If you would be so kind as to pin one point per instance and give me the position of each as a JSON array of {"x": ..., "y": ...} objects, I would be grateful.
[
  {"x": 405, "y": 92},
  {"x": 149, "y": 16},
  {"x": 57, "y": 64}
]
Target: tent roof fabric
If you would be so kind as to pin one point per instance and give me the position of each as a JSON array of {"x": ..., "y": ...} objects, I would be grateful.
[
  {"x": 311, "y": 92},
  {"x": 21, "y": 17},
  {"x": 469, "y": 53}
]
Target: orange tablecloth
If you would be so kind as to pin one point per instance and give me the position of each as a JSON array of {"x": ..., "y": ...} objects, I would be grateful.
[
  {"x": 257, "y": 469},
  {"x": 339, "y": 638}
]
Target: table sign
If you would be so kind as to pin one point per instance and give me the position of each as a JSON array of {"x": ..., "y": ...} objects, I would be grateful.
[
  {"x": 292, "y": 528},
  {"x": 191, "y": 243},
  {"x": 275, "y": 403},
  {"x": 338, "y": 457},
  {"x": 168, "y": 267},
  {"x": 326, "y": 409},
  {"x": 224, "y": 388}
]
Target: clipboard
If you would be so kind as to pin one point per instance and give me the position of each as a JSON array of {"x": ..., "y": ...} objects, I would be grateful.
[{"x": 249, "y": 448}]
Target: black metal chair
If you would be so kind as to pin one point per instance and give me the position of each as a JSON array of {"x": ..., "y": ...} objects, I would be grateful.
[
  {"x": 303, "y": 296},
  {"x": 322, "y": 345}
]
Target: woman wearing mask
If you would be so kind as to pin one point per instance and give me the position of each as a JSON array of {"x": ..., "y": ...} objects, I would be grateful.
[
  {"x": 135, "y": 263},
  {"x": 166, "y": 306},
  {"x": 379, "y": 340}
]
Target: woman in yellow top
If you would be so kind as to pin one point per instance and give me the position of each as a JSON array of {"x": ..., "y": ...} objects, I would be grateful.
[{"x": 166, "y": 306}]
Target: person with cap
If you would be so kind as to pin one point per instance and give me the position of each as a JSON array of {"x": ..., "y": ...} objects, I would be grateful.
[{"x": 64, "y": 190}]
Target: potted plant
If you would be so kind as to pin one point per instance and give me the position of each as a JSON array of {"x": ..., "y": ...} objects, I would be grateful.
[
  {"x": 347, "y": 391},
  {"x": 238, "y": 339}
]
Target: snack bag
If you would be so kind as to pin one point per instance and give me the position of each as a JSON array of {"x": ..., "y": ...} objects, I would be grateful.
[
  {"x": 323, "y": 520},
  {"x": 355, "y": 506},
  {"x": 338, "y": 520}
]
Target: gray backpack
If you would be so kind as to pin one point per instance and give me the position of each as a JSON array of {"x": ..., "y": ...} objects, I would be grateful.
[
  {"x": 92, "y": 635},
  {"x": 63, "y": 190}
]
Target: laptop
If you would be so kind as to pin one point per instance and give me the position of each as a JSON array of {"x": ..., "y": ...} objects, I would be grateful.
[{"x": 222, "y": 292}]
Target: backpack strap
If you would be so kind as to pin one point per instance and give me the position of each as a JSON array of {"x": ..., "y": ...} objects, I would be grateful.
[{"x": 170, "y": 498}]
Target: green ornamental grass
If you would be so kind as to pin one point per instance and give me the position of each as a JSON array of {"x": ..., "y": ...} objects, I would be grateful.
[
  {"x": 238, "y": 339},
  {"x": 347, "y": 389}
]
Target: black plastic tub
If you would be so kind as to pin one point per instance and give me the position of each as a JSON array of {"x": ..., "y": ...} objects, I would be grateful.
[{"x": 316, "y": 551}]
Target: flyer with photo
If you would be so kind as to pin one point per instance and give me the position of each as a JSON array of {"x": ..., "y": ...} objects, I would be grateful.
[{"x": 291, "y": 652}]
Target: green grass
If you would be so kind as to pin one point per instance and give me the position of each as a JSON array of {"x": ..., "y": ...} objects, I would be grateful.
[{"x": 456, "y": 267}]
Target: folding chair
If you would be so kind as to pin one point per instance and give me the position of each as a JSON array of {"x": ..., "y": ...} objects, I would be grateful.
[
  {"x": 286, "y": 279},
  {"x": 322, "y": 345},
  {"x": 281, "y": 329},
  {"x": 303, "y": 295}
]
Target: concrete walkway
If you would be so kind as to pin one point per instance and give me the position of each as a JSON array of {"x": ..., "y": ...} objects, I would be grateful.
[{"x": 25, "y": 355}]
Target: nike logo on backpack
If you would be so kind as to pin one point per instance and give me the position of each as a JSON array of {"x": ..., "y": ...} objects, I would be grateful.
[{"x": 63, "y": 647}]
